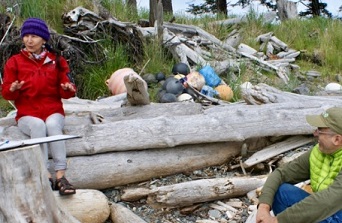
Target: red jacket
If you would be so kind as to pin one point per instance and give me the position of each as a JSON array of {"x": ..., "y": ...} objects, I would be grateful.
[{"x": 41, "y": 94}]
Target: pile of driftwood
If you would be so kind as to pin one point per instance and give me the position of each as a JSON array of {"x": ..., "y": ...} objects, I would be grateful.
[
  {"x": 84, "y": 29},
  {"x": 196, "y": 47},
  {"x": 124, "y": 145}
]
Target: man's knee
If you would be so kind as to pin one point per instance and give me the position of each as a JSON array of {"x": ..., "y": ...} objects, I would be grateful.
[{"x": 285, "y": 187}]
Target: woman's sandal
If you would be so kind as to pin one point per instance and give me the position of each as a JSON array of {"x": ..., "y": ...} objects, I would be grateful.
[
  {"x": 52, "y": 183},
  {"x": 64, "y": 187}
]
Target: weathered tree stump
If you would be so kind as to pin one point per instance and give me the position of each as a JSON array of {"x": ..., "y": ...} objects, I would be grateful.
[{"x": 26, "y": 194}]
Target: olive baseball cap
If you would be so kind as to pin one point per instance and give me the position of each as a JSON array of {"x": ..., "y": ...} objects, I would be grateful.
[{"x": 331, "y": 118}]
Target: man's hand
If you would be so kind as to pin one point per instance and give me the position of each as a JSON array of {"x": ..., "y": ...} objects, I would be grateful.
[
  {"x": 16, "y": 85},
  {"x": 68, "y": 87},
  {"x": 264, "y": 215}
]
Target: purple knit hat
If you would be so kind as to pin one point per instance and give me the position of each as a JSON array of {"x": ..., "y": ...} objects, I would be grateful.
[{"x": 35, "y": 26}]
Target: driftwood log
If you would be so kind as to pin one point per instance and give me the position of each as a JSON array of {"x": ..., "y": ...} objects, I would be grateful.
[
  {"x": 197, "y": 191},
  {"x": 121, "y": 168},
  {"x": 26, "y": 194},
  {"x": 193, "y": 192},
  {"x": 121, "y": 214}
]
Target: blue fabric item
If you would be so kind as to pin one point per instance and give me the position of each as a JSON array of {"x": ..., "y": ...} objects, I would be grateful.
[
  {"x": 36, "y": 27},
  {"x": 288, "y": 194},
  {"x": 209, "y": 91},
  {"x": 210, "y": 76}
]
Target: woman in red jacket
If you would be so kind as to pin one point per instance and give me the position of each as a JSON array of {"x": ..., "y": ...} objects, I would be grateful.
[{"x": 36, "y": 79}]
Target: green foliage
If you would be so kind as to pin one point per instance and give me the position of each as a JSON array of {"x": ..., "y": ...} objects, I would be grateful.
[
  {"x": 159, "y": 59},
  {"x": 41, "y": 9},
  {"x": 119, "y": 10},
  {"x": 5, "y": 106},
  {"x": 93, "y": 80},
  {"x": 209, "y": 6},
  {"x": 319, "y": 40}
]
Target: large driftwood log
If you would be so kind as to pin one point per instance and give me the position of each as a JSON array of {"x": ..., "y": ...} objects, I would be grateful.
[
  {"x": 121, "y": 168},
  {"x": 121, "y": 214},
  {"x": 87, "y": 206},
  {"x": 26, "y": 194},
  {"x": 264, "y": 94},
  {"x": 192, "y": 192},
  {"x": 236, "y": 122}
]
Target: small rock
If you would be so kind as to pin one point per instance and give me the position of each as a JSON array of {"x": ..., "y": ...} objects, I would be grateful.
[
  {"x": 333, "y": 87},
  {"x": 302, "y": 89},
  {"x": 215, "y": 214},
  {"x": 185, "y": 97},
  {"x": 160, "y": 76},
  {"x": 168, "y": 98},
  {"x": 313, "y": 73},
  {"x": 150, "y": 78},
  {"x": 301, "y": 77}
]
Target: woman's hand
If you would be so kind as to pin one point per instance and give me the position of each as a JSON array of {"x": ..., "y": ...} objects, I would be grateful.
[
  {"x": 68, "y": 87},
  {"x": 16, "y": 85}
]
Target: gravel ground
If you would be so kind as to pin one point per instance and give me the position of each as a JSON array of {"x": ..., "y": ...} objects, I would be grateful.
[{"x": 196, "y": 213}]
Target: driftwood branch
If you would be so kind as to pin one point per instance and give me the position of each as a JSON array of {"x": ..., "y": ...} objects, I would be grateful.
[{"x": 276, "y": 149}]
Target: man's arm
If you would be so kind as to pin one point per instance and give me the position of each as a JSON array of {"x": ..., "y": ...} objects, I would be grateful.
[{"x": 294, "y": 172}]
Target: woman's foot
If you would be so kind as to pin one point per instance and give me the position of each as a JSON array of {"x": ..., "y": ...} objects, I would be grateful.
[
  {"x": 51, "y": 183},
  {"x": 64, "y": 187},
  {"x": 62, "y": 184}
]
